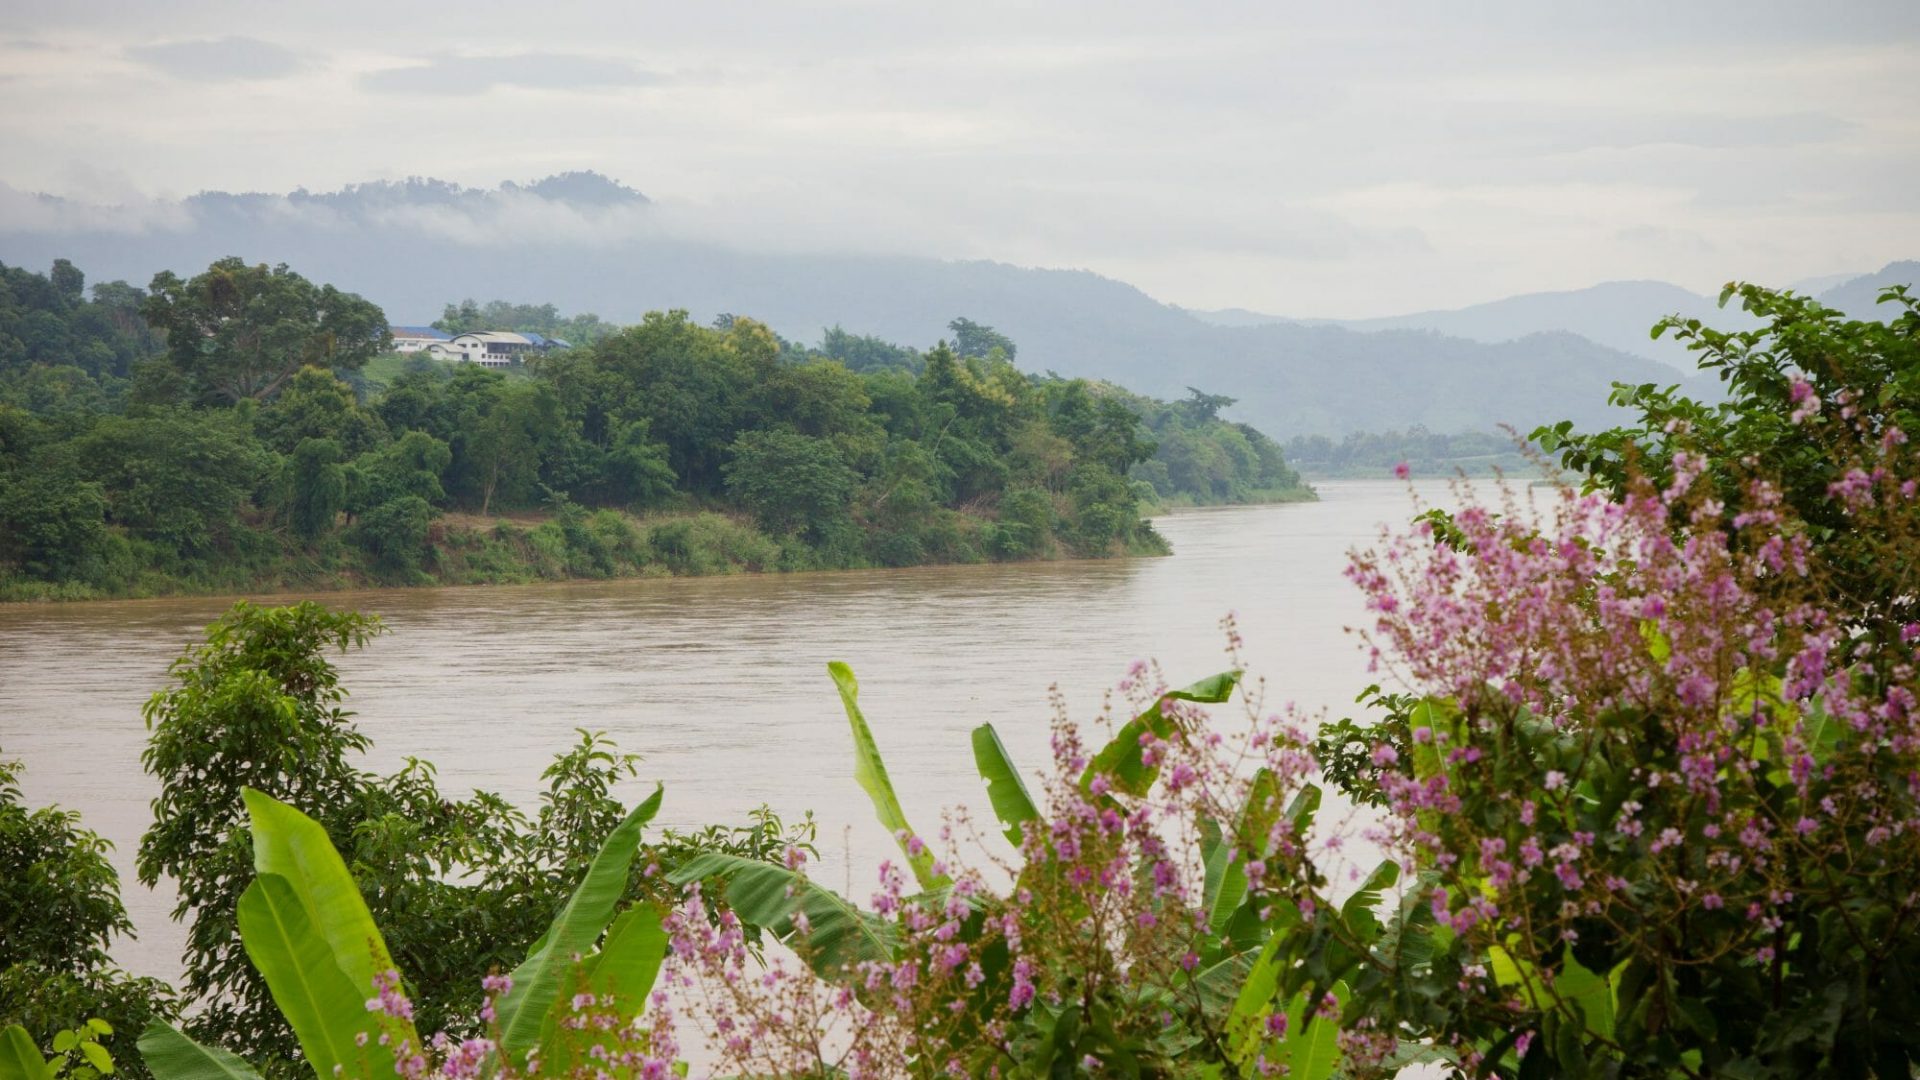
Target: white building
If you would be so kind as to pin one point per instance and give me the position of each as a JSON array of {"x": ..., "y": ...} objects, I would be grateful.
[
  {"x": 494, "y": 348},
  {"x": 413, "y": 339}
]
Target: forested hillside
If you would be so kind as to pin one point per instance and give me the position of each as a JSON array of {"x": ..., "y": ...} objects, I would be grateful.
[
  {"x": 226, "y": 432},
  {"x": 604, "y": 248}
]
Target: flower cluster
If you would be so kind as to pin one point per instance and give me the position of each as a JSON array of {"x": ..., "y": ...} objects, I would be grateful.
[{"x": 1645, "y": 741}]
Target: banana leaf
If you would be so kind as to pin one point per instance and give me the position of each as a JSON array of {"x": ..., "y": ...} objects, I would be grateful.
[
  {"x": 871, "y": 773},
  {"x": 619, "y": 976},
  {"x": 1121, "y": 760},
  {"x": 768, "y": 896},
  {"x": 1005, "y": 789},
  {"x": 537, "y": 981},
  {"x": 292, "y": 845},
  {"x": 318, "y": 1000},
  {"x": 172, "y": 1056}
]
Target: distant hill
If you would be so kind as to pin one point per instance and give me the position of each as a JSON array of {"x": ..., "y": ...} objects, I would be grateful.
[
  {"x": 1859, "y": 296},
  {"x": 1617, "y": 314},
  {"x": 587, "y": 243}
]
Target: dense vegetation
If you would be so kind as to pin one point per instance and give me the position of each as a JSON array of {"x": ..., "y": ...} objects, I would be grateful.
[
  {"x": 202, "y": 436},
  {"x": 1425, "y": 453},
  {"x": 1643, "y": 782}
]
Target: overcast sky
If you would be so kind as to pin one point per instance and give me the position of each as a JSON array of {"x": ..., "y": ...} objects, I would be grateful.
[{"x": 1324, "y": 159}]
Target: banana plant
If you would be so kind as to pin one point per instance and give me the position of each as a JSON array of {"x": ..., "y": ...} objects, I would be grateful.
[{"x": 307, "y": 929}]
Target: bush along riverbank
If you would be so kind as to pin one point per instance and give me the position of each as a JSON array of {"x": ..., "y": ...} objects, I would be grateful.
[{"x": 221, "y": 434}]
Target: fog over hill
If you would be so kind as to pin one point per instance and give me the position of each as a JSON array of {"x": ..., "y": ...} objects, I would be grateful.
[
  {"x": 1617, "y": 314},
  {"x": 586, "y": 243}
]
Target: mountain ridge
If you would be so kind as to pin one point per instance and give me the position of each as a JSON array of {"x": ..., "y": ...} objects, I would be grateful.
[{"x": 589, "y": 243}]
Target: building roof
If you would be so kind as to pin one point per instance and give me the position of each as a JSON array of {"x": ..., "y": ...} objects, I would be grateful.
[
  {"x": 502, "y": 337},
  {"x": 426, "y": 332}
]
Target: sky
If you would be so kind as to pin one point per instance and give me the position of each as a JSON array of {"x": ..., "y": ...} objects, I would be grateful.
[{"x": 1332, "y": 160}]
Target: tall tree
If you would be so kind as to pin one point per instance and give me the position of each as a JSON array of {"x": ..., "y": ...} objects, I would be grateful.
[{"x": 239, "y": 331}]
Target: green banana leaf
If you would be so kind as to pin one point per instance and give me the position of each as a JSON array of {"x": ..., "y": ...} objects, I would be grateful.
[
  {"x": 1310, "y": 1049},
  {"x": 1120, "y": 760},
  {"x": 1005, "y": 789},
  {"x": 19, "y": 1058},
  {"x": 318, "y": 1000},
  {"x": 292, "y": 845},
  {"x": 1359, "y": 913},
  {"x": 537, "y": 981},
  {"x": 619, "y": 976},
  {"x": 871, "y": 773},
  {"x": 767, "y": 896},
  {"x": 172, "y": 1056}
]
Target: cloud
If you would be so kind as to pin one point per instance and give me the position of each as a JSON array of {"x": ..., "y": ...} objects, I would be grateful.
[
  {"x": 219, "y": 59},
  {"x": 29, "y": 212},
  {"x": 466, "y": 75}
]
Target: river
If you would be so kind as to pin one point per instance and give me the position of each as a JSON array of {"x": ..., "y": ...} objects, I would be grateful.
[{"x": 720, "y": 682}]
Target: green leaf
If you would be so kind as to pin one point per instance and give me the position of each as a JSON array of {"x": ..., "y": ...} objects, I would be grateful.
[
  {"x": 318, "y": 1000},
  {"x": 295, "y": 847},
  {"x": 172, "y": 1056},
  {"x": 536, "y": 982},
  {"x": 98, "y": 1057},
  {"x": 1311, "y": 1052},
  {"x": 871, "y": 773},
  {"x": 1358, "y": 912},
  {"x": 64, "y": 1041},
  {"x": 619, "y": 976},
  {"x": 1005, "y": 789},
  {"x": 768, "y": 896},
  {"x": 1591, "y": 992},
  {"x": 1121, "y": 760},
  {"x": 19, "y": 1058},
  {"x": 99, "y": 1026},
  {"x": 1225, "y": 883}
]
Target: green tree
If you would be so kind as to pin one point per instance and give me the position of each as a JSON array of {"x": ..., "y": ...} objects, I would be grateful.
[
  {"x": 316, "y": 405},
  {"x": 239, "y": 331},
  {"x": 176, "y": 477},
  {"x": 395, "y": 533},
  {"x": 971, "y": 339},
  {"x": 51, "y": 526},
  {"x": 316, "y": 487},
  {"x": 1810, "y": 394},
  {"x": 60, "y": 910},
  {"x": 790, "y": 482},
  {"x": 411, "y": 465}
]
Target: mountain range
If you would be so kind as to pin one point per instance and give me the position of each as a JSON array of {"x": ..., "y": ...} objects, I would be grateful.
[
  {"x": 1616, "y": 314},
  {"x": 587, "y": 243}
]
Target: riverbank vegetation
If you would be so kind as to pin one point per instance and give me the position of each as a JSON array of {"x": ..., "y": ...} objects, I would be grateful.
[
  {"x": 1638, "y": 781},
  {"x": 1373, "y": 455},
  {"x": 220, "y": 434}
]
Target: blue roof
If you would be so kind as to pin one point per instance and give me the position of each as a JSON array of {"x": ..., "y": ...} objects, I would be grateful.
[{"x": 420, "y": 331}]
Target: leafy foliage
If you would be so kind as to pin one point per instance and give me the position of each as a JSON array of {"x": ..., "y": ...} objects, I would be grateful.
[
  {"x": 254, "y": 450},
  {"x": 60, "y": 910}
]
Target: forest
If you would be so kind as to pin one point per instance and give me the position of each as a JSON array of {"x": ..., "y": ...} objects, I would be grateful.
[
  {"x": 1638, "y": 803},
  {"x": 246, "y": 428}
]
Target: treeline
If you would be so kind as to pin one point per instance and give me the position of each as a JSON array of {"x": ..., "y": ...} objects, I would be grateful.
[
  {"x": 1426, "y": 453},
  {"x": 544, "y": 319},
  {"x": 213, "y": 443}
]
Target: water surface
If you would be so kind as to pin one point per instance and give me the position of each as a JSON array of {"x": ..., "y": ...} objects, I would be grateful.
[{"x": 721, "y": 682}]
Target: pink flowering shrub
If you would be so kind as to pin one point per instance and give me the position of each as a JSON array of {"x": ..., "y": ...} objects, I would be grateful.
[
  {"x": 1654, "y": 749},
  {"x": 1135, "y": 933}
]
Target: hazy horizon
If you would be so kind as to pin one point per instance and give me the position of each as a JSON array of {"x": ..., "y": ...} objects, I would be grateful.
[{"x": 1350, "y": 163}]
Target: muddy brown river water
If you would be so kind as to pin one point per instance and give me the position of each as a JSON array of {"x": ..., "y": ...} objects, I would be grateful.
[{"x": 721, "y": 682}]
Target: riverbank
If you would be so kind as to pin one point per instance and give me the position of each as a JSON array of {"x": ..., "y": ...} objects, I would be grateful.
[
  {"x": 1275, "y": 497},
  {"x": 576, "y": 545}
]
